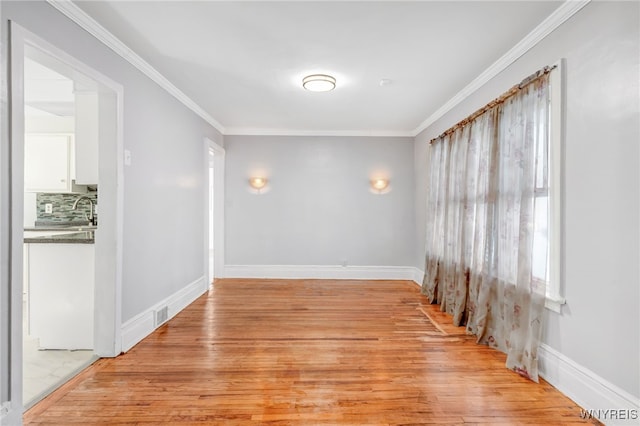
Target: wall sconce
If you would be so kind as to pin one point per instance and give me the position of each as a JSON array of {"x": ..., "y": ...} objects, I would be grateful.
[
  {"x": 379, "y": 184},
  {"x": 257, "y": 182}
]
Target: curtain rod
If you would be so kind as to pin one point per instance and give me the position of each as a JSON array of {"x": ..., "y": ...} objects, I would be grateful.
[{"x": 500, "y": 99}]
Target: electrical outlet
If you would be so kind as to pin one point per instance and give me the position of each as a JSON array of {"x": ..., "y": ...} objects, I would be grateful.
[{"x": 48, "y": 208}]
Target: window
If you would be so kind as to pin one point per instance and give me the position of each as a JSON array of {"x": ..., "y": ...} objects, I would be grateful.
[
  {"x": 546, "y": 265},
  {"x": 550, "y": 198}
]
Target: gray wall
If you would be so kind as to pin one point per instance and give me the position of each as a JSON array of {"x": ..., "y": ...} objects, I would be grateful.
[
  {"x": 163, "y": 204},
  {"x": 600, "y": 324},
  {"x": 318, "y": 208}
]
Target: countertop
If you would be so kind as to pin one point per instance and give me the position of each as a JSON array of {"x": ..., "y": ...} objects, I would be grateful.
[
  {"x": 78, "y": 228},
  {"x": 66, "y": 238},
  {"x": 67, "y": 225}
]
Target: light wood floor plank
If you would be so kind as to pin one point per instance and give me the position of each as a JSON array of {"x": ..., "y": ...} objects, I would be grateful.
[{"x": 307, "y": 352}]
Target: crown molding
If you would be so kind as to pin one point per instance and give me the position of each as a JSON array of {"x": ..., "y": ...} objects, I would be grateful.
[
  {"x": 557, "y": 18},
  {"x": 241, "y": 131},
  {"x": 86, "y": 22},
  {"x": 553, "y": 21}
]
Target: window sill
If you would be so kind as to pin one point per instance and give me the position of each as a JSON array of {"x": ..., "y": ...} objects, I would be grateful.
[{"x": 554, "y": 303}]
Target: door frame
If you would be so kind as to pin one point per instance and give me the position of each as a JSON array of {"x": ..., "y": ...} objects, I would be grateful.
[
  {"x": 109, "y": 234},
  {"x": 218, "y": 209}
]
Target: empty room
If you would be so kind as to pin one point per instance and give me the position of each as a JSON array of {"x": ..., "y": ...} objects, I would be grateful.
[{"x": 320, "y": 212}]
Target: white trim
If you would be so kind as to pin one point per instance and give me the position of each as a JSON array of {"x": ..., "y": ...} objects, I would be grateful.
[
  {"x": 418, "y": 276},
  {"x": 206, "y": 187},
  {"x": 119, "y": 222},
  {"x": 183, "y": 298},
  {"x": 8, "y": 413},
  {"x": 554, "y": 303},
  {"x": 218, "y": 208},
  {"x": 241, "y": 131},
  {"x": 109, "y": 278},
  {"x": 555, "y": 299},
  {"x": 143, "y": 324},
  {"x": 86, "y": 22},
  {"x": 565, "y": 11},
  {"x": 108, "y": 283},
  {"x": 16, "y": 244},
  {"x": 321, "y": 272},
  {"x": 136, "y": 329},
  {"x": 582, "y": 385}
]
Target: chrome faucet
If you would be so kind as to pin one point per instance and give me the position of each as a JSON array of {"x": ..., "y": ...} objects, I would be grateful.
[{"x": 90, "y": 218}]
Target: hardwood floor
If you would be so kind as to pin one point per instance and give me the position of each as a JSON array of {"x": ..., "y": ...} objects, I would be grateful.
[{"x": 306, "y": 352}]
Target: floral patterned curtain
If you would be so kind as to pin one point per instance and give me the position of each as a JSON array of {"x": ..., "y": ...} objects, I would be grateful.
[{"x": 488, "y": 189}]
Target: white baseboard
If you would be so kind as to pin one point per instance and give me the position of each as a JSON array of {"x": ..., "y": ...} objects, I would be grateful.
[
  {"x": 418, "y": 276},
  {"x": 143, "y": 324},
  {"x": 587, "y": 389},
  {"x": 332, "y": 272}
]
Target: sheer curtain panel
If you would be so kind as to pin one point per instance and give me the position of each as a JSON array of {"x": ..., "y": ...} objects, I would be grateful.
[{"x": 486, "y": 255}]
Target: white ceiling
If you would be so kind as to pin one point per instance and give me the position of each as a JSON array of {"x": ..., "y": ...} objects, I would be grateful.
[
  {"x": 243, "y": 62},
  {"x": 47, "y": 92}
]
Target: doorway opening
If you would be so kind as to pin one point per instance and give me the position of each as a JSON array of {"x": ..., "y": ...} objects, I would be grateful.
[
  {"x": 211, "y": 216},
  {"x": 214, "y": 210},
  {"x": 66, "y": 143},
  {"x": 60, "y": 204}
]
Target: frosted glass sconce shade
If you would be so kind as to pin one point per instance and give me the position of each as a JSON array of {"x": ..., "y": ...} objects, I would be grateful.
[
  {"x": 379, "y": 184},
  {"x": 257, "y": 182}
]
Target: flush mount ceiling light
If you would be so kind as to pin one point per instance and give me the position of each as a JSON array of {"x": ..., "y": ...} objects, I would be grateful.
[{"x": 319, "y": 83}]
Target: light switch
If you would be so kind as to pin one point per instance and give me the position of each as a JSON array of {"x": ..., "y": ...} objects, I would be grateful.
[{"x": 127, "y": 157}]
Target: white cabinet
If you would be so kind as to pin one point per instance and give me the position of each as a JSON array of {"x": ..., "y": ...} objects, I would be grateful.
[
  {"x": 86, "y": 137},
  {"x": 54, "y": 160},
  {"x": 60, "y": 294},
  {"x": 46, "y": 163}
]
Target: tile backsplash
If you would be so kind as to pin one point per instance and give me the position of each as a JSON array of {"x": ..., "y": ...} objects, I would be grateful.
[{"x": 62, "y": 207}]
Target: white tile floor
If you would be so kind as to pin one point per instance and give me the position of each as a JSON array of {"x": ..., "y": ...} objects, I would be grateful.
[{"x": 46, "y": 370}]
